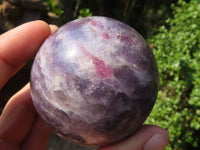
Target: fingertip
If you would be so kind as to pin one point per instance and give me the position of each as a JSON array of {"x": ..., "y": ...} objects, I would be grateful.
[
  {"x": 40, "y": 31},
  {"x": 21, "y": 43},
  {"x": 157, "y": 130},
  {"x": 43, "y": 26},
  {"x": 157, "y": 142},
  {"x": 157, "y": 137}
]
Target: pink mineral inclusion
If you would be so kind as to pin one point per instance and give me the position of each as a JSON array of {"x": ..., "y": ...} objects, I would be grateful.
[
  {"x": 124, "y": 38},
  {"x": 95, "y": 23},
  {"x": 105, "y": 36},
  {"x": 101, "y": 69}
]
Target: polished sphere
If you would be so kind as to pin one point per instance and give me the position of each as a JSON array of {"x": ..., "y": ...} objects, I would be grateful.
[{"x": 94, "y": 81}]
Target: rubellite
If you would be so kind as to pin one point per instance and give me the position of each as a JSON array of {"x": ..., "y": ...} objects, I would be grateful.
[{"x": 94, "y": 81}]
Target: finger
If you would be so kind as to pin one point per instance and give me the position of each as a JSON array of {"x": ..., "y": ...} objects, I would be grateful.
[
  {"x": 19, "y": 114},
  {"x": 17, "y": 117},
  {"x": 148, "y": 137},
  {"x": 38, "y": 137},
  {"x": 19, "y": 45}
]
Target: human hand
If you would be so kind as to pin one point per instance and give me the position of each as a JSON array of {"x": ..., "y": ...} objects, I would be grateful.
[{"x": 20, "y": 127}]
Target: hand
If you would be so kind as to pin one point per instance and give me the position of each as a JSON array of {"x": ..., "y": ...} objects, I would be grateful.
[{"x": 20, "y": 127}]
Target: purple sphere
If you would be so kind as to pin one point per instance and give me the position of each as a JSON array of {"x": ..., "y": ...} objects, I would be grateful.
[{"x": 94, "y": 81}]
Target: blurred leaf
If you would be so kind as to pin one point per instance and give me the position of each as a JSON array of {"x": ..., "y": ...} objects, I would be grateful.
[
  {"x": 53, "y": 7},
  {"x": 85, "y": 12}
]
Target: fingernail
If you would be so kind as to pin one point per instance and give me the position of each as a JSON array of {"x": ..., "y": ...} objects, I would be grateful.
[
  {"x": 157, "y": 142},
  {"x": 53, "y": 27}
]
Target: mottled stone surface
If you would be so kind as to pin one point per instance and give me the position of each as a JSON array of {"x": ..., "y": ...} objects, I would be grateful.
[{"x": 94, "y": 81}]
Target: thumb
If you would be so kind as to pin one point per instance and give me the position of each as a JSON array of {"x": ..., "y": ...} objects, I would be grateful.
[{"x": 148, "y": 137}]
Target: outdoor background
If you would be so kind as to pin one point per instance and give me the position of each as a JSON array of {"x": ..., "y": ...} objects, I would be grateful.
[{"x": 172, "y": 29}]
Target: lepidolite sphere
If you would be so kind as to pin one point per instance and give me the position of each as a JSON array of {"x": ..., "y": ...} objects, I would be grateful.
[{"x": 94, "y": 81}]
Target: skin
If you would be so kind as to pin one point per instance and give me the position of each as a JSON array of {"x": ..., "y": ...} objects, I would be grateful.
[{"x": 20, "y": 126}]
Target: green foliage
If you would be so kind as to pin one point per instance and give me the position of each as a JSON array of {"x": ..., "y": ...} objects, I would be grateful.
[
  {"x": 177, "y": 50},
  {"x": 53, "y": 7},
  {"x": 85, "y": 12}
]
